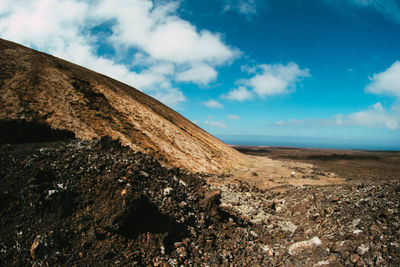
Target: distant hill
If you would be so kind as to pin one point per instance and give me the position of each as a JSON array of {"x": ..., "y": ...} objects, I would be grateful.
[{"x": 37, "y": 87}]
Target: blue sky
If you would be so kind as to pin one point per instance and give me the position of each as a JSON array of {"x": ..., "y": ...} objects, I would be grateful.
[{"x": 321, "y": 69}]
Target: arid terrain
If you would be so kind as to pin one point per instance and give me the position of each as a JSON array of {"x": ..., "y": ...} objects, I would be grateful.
[
  {"x": 94, "y": 172},
  {"x": 352, "y": 164},
  {"x": 76, "y": 202},
  {"x": 38, "y": 87}
]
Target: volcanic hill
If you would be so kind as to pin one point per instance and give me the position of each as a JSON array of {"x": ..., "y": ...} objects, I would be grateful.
[
  {"x": 40, "y": 88},
  {"x": 70, "y": 198}
]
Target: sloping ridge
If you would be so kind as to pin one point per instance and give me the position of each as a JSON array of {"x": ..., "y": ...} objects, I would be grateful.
[{"x": 38, "y": 87}]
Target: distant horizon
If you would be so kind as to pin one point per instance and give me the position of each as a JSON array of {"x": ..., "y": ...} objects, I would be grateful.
[{"x": 309, "y": 142}]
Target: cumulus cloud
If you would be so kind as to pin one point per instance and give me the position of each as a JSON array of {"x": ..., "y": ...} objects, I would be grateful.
[
  {"x": 158, "y": 31},
  {"x": 268, "y": 80},
  {"x": 170, "y": 97},
  {"x": 167, "y": 48},
  {"x": 375, "y": 116},
  {"x": 218, "y": 124},
  {"x": 212, "y": 104},
  {"x": 239, "y": 94},
  {"x": 198, "y": 73},
  {"x": 387, "y": 82},
  {"x": 276, "y": 79},
  {"x": 233, "y": 117}
]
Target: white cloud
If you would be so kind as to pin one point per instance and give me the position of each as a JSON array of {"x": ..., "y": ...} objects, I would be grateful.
[
  {"x": 387, "y": 82},
  {"x": 233, "y": 117},
  {"x": 268, "y": 80},
  {"x": 212, "y": 104},
  {"x": 375, "y": 116},
  {"x": 218, "y": 124},
  {"x": 239, "y": 94},
  {"x": 276, "y": 79},
  {"x": 170, "y": 97},
  {"x": 168, "y": 48},
  {"x": 198, "y": 73}
]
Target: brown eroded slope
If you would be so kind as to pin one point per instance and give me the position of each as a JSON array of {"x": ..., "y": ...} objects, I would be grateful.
[{"x": 38, "y": 87}]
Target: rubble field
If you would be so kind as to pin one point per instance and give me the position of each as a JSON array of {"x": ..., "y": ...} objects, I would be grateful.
[{"x": 77, "y": 203}]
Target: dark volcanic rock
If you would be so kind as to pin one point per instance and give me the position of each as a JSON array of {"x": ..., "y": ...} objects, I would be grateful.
[
  {"x": 95, "y": 203},
  {"x": 22, "y": 131}
]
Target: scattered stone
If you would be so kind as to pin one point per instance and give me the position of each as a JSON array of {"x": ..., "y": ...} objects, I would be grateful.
[
  {"x": 354, "y": 258},
  {"x": 322, "y": 263},
  {"x": 167, "y": 191},
  {"x": 123, "y": 192},
  {"x": 362, "y": 249},
  {"x": 35, "y": 246},
  {"x": 357, "y": 231},
  {"x": 304, "y": 245},
  {"x": 120, "y": 216},
  {"x": 211, "y": 202}
]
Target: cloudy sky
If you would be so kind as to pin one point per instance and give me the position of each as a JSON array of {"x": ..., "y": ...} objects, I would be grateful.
[{"x": 299, "y": 68}]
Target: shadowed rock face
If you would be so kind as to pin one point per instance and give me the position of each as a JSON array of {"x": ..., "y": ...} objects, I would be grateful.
[{"x": 41, "y": 88}]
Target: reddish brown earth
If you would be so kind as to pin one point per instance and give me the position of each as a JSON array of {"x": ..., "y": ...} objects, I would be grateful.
[
  {"x": 350, "y": 164},
  {"x": 38, "y": 87}
]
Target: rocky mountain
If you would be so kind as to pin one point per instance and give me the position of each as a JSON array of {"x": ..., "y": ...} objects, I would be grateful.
[{"x": 37, "y": 87}]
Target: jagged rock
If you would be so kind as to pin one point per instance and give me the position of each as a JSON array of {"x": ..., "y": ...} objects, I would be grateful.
[
  {"x": 211, "y": 202},
  {"x": 145, "y": 226},
  {"x": 35, "y": 246},
  {"x": 354, "y": 258}
]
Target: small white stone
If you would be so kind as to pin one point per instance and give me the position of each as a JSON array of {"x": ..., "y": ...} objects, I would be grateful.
[
  {"x": 167, "y": 191},
  {"x": 278, "y": 208},
  {"x": 322, "y": 263},
  {"x": 51, "y": 192},
  {"x": 61, "y": 186},
  {"x": 302, "y": 245},
  {"x": 317, "y": 241},
  {"x": 362, "y": 249},
  {"x": 254, "y": 234}
]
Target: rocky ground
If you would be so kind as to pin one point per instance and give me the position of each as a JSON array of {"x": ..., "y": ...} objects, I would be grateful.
[
  {"x": 334, "y": 225},
  {"x": 76, "y": 202}
]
